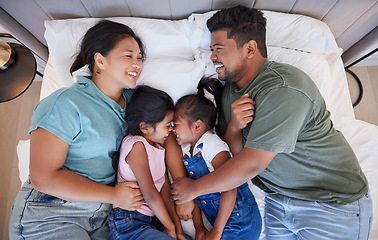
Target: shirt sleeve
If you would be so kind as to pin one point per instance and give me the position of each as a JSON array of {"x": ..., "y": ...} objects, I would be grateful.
[
  {"x": 280, "y": 116},
  {"x": 59, "y": 116},
  {"x": 213, "y": 146}
]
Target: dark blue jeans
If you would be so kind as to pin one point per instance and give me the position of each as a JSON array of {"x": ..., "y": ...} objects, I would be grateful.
[{"x": 134, "y": 225}]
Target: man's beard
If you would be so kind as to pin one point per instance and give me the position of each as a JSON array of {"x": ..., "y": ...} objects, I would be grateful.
[{"x": 233, "y": 76}]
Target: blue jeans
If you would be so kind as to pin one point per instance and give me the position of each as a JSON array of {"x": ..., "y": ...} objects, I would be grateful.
[
  {"x": 290, "y": 218},
  {"x": 36, "y": 215},
  {"x": 134, "y": 225}
]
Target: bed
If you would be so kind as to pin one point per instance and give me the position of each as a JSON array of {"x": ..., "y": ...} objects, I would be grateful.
[{"x": 178, "y": 56}]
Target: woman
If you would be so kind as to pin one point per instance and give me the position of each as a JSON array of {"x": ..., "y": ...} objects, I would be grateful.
[{"x": 74, "y": 134}]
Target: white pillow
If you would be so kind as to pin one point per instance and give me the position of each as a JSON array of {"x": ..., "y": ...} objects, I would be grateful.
[
  {"x": 23, "y": 153},
  {"x": 175, "y": 77},
  {"x": 299, "y": 32},
  {"x": 162, "y": 39},
  {"x": 283, "y": 30}
]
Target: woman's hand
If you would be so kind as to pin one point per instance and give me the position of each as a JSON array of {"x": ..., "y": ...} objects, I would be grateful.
[{"x": 127, "y": 196}]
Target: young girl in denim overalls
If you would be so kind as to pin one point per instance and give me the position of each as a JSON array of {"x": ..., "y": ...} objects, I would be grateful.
[{"x": 233, "y": 214}]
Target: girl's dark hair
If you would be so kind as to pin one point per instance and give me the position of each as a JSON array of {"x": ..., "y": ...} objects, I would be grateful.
[
  {"x": 148, "y": 105},
  {"x": 242, "y": 24},
  {"x": 102, "y": 38},
  {"x": 198, "y": 107}
]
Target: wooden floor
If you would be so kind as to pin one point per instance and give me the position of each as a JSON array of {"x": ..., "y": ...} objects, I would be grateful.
[{"x": 15, "y": 120}]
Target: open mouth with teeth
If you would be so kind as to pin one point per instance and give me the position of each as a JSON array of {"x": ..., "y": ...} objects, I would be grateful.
[
  {"x": 177, "y": 137},
  {"x": 218, "y": 67},
  {"x": 132, "y": 74}
]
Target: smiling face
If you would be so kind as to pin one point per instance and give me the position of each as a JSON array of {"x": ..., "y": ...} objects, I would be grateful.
[
  {"x": 161, "y": 131},
  {"x": 228, "y": 59},
  {"x": 123, "y": 63},
  {"x": 184, "y": 129}
]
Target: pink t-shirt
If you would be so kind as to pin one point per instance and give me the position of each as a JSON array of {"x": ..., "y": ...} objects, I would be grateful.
[{"x": 156, "y": 161}]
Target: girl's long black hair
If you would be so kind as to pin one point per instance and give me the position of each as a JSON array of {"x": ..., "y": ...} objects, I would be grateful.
[{"x": 148, "y": 105}]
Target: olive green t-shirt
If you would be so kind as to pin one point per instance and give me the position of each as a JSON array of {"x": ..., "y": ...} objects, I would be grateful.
[{"x": 314, "y": 160}]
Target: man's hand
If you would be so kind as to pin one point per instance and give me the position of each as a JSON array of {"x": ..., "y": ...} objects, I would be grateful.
[
  {"x": 183, "y": 190},
  {"x": 242, "y": 111}
]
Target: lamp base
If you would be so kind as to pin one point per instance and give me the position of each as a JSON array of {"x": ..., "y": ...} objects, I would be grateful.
[{"x": 18, "y": 76}]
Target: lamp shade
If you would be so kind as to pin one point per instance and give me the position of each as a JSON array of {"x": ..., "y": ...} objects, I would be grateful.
[{"x": 17, "y": 70}]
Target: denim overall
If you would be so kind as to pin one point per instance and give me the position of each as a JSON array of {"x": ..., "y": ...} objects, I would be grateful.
[{"x": 245, "y": 220}]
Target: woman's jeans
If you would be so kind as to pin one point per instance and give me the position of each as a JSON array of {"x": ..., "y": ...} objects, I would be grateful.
[
  {"x": 133, "y": 225},
  {"x": 290, "y": 218},
  {"x": 36, "y": 215}
]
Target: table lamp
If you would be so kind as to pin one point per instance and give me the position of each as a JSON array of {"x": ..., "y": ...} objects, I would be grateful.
[{"x": 17, "y": 69}]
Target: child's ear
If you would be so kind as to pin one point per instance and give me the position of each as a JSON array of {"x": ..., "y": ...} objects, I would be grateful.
[
  {"x": 198, "y": 125},
  {"x": 143, "y": 127}
]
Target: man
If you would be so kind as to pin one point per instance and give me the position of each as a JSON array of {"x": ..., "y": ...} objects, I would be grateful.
[{"x": 314, "y": 184}]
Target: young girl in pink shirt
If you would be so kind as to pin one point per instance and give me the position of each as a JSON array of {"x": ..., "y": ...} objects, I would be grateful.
[{"x": 149, "y": 117}]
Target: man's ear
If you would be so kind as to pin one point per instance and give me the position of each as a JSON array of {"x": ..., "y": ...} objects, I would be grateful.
[
  {"x": 143, "y": 127},
  {"x": 99, "y": 60},
  {"x": 251, "y": 48}
]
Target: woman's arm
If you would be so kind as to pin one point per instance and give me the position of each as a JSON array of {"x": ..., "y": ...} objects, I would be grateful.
[
  {"x": 173, "y": 159},
  {"x": 47, "y": 156},
  {"x": 138, "y": 161},
  {"x": 226, "y": 201}
]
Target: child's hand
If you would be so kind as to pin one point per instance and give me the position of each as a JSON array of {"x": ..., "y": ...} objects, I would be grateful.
[
  {"x": 170, "y": 232},
  {"x": 185, "y": 210},
  {"x": 201, "y": 233},
  {"x": 181, "y": 236},
  {"x": 213, "y": 235}
]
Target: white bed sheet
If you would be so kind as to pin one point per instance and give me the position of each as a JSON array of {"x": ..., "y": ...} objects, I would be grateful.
[{"x": 179, "y": 67}]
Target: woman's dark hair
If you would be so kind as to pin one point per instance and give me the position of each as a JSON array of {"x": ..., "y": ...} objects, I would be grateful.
[
  {"x": 148, "y": 105},
  {"x": 242, "y": 24},
  {"x": 102, "y": 38},
  {"x": 198, "y": 107}
]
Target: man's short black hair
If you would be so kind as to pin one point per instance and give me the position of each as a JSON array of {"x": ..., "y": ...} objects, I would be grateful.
[{"x": 242, "y": 24}]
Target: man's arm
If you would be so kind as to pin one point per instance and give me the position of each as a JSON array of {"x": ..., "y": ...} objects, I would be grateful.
[{"x": 236, "y": 171}]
